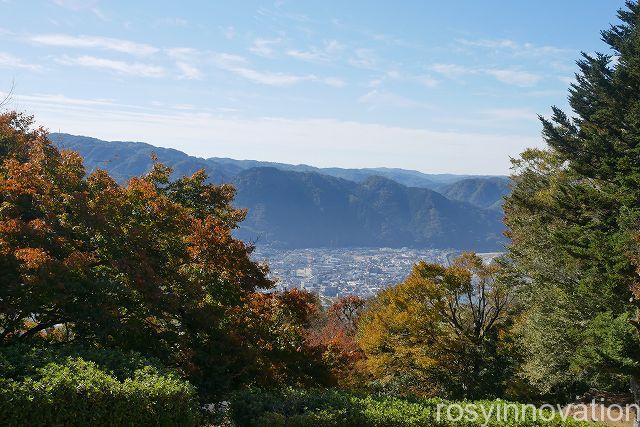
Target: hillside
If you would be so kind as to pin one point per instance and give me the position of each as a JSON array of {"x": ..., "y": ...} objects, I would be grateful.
[
  {"x": 302, "y": 209},
  {"x": 482, "y": 192},
  {"x": 303, "y": 206},
  {"x": 131, "y": 158}
]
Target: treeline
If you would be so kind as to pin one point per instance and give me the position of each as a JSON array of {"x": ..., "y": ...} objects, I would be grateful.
[
  {"x": 137, "y": 299},
  {"x": 129, "y": 304}
]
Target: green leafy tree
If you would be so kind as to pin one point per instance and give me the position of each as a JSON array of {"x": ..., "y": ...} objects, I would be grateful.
[{"x": 573, "y": 218}]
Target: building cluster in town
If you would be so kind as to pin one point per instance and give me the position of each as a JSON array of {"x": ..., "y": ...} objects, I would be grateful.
[{"x": 335, "y": 272}]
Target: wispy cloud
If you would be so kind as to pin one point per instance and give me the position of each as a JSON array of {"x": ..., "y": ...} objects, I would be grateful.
[
  {"x": 228, "y": 32},
  {"x": 76, "y": 4},
  {"x": 325, "y": 139},
  {"x": 264, "y": 47},
  {"x": 504, "y": 119},
  {"x": 333, "y": 81},
  {"x": 121, "y": 67},
  {"x": 427, "y": 80},
  {"x": 326, "y": 53},
  {"x": 10, "y": 61},
  {"x": 516, "y": 48},
  {"x": 394, "y": 74},
  {"x": 82, "y": 5},
  {"x": 363, "y": 58},
  {"x": 378, "y": 37},
  {"x": 93, "y": 42},
  {"x": 100, "y": 14},
  {"x": 171, "y": 22},
  {"x": 182, "y": 53},
  {"x": 509, "y": 114},
  {"x": 62, "y": 100},
  {"x": 514, "y": 77},
  {"x": 381, "y": 99},
  {"x": 188, "y": 71},
  {"x": 239, "y": 66},
  {"x": 504, "y": 75},
  {"x": 452, "y": 70}
]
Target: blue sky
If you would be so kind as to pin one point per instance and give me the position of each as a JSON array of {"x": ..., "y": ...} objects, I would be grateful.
[{"x": 428, "y": 85}]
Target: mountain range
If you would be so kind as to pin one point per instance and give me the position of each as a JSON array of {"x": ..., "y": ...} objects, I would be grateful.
[{"x": 296, "y": 206}]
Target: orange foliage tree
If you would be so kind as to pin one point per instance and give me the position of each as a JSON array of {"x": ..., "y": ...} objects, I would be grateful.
[{"x": 150, "y": 266}]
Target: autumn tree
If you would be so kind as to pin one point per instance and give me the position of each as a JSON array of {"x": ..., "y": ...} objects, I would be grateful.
[
  {"x": 150, "y": 266},
  {"x": 333, "y": 333},
  {"x": 440, "y": 332},
  {"x": 275, "y": 327}
]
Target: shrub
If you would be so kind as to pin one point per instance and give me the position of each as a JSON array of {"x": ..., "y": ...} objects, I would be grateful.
[
  {"x": 116, "y": 390},
  {"x": 335, "y": 408},
  {"x": 20, "y": 360}
]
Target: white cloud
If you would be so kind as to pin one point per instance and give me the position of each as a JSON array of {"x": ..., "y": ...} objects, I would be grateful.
[
  {"x": 76, "y": 4},
  {"x": 423, "y": 79},
  {"x": 225, "y": 60},
  {"x": 120, "y": 67},
  {"x": 381, "y": 99},
  {"x": 264, "y": 47},
  {"x": 188, "y": 71},
  {"x": 393, "y": 74},
  {"x": 269, "y": 78},
  {"x": 228, "y": 32},
  {"x": 504, "y": 75},
  {"x": 509, "y": 114},
  {"x": 10, "y": 61},
  {"x": 518, "y": 49},
  {"x": 363, "y": 58},
  {"x": 92, "y": 42},
  {"x": 322, "y": 142},
  {"x": 506, "y": 119},
  {"x": 327, "y": 53},
  {"x": 427, "y": 80},
  {"x": 239, "y": 66},
  {"x": 514, "y": 77},
  {"x": 172, "y": 22},
  {"x": 182, "y": 53},
  {"x": 490, "y": 44},
  {"x": 62, "y": 100},
  {"x": 451, "y": 70},
  {"x": 100, "y": 15},
  {"x": 333, "y": 81},
  {"x": 59, "y": 101}
]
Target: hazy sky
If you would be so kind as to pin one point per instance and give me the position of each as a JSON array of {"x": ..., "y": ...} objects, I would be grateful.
[{"x": 437, "y": 86}]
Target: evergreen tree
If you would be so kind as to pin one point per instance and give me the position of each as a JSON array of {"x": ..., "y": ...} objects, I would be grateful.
[{"x": 573, "y": 218}]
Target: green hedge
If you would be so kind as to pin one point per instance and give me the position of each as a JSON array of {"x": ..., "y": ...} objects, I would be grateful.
[
  {"x": 334, "y": 408},
  {"x": 114, "y": 389}
]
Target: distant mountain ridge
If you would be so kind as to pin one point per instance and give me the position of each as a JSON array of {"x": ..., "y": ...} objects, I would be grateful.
[
  {"x": 129, "y": 159},
  {"x": 485, "y": 192},
  {"x": 305, "y": 206}
]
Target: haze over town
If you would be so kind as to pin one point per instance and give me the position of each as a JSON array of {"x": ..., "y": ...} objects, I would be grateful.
[{"x": 431, "y": 86}]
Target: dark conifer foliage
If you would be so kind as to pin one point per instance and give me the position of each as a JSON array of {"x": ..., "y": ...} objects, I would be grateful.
[{"x": 574, "y": 219}]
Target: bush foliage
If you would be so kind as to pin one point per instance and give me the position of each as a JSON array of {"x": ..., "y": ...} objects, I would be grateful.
[
  {"x": 257, "y": 408},
  {"x": 101, "y": 387}
]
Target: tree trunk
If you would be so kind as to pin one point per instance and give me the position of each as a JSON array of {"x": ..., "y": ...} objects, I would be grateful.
[{"x": 635, "y": 389}]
